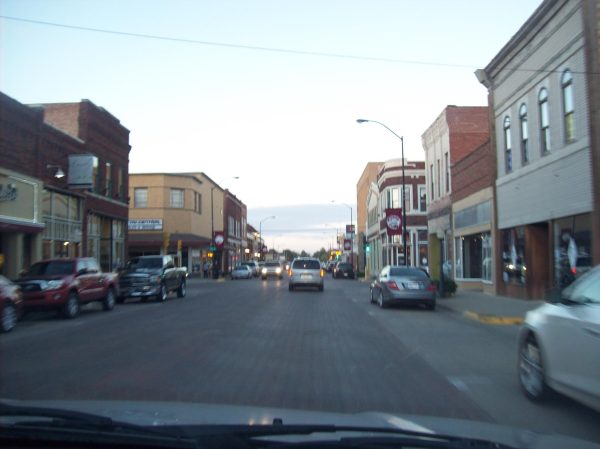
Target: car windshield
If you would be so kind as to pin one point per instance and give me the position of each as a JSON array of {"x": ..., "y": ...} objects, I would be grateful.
[
  {"x": 408, "y": 272},
  {"x": 145, "y": 263},
  {"x": 58, "y": 267},
  {"x": 307, "y": 264},
  {"x": 289, "y": 206}
]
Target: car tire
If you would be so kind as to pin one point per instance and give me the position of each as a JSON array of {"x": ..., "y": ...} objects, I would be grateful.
[
  {"x": 291, "y": 287},
  {"x": 182, "y": 290},
  {"x": 380, "y": 301},
  {"x": 9, "y": 318},
  {"x": 531, "y": 370},
  {"x": 264, "y": 278},
  {"x": 371, "y": 299},
  {"x": 108, "y": 303},
  {"x": 121, "y": 299},
  {"x": 163, "y": 293},
  {"x": 321, "y": 288},
  {"x": 430, "y": 305},
  {"x": 72, "y": 307}
]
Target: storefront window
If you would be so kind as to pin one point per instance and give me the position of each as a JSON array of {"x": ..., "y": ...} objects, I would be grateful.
[
  {"x": 514, "y": 268},
  {"x": 422, "y": 242},
  {"x": 486, "y": 254},
  {"x": 572, "y": 248}
]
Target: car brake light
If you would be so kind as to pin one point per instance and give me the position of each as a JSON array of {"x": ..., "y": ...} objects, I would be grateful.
[
  {"x": 431, "y": 288},
  {"x": 392, "y": 285},
  {"x": 574, "y": 270}
]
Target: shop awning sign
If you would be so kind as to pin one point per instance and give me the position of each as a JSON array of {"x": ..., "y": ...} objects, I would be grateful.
[{"x": 150, "y": 224}]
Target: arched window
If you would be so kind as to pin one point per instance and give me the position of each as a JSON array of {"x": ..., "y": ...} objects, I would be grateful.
[
  {"x": 566, "y": 83},
  {"x": 507, "y": 145},
  {"x": 524, "y": 133},
  {"x": 544, "y": 120}
]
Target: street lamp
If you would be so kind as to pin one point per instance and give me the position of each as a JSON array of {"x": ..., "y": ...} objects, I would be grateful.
[
  {"x": 260, "y": 233},
  {"x": 351, "y": 234},
  {"x": 361, "y": 120}
]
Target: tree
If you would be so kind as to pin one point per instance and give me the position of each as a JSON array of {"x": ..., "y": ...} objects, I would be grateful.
[{"x": 322, "y": 255}]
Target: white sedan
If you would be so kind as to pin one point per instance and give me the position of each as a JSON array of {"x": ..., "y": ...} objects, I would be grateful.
[{"x": 559, "y": 344}]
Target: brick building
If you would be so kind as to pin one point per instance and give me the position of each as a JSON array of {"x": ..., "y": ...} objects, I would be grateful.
[
  {"x": 74, "y": 157},
  {"x": 454, "y": 134},
  {"x": 368, "y": 177},
  {"x": 473, "y": 219},
  {"x": 386, "y": 193}
]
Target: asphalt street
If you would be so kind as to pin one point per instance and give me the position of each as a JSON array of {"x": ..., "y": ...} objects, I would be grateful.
[{"x": 256, "y": 343}]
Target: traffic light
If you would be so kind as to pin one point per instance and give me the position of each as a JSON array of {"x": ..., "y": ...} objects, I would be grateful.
[
  {"x": 210, "y": 254},
  {"x": 368, "y": 248}
]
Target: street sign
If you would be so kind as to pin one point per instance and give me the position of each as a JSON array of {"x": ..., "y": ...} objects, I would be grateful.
[{"x": 350, "y": 229}]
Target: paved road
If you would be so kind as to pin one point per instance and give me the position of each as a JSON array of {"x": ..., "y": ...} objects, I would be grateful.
[{"x": 256, "y": 343}]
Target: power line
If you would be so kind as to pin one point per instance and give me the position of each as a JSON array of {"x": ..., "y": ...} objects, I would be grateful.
[
  {"x": 272, "y": 49},
  {"x": 236, "y": 46}
]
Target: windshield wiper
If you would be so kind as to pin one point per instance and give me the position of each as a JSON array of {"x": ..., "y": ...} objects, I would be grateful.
[
  {"x": 48, "y": 421},
  {"x": 263, "y": 436}
]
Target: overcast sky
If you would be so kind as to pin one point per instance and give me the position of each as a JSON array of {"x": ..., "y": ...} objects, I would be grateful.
[{"x": 266, "y": 90}]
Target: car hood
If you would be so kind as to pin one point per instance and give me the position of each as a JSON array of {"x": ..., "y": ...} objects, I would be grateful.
[{"x": 185, "y": 414}]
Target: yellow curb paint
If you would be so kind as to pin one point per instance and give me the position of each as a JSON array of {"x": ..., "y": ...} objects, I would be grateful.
[{"x": 494, "y": 319}]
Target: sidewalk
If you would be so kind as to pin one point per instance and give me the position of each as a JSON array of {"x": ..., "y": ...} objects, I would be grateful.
[{"x": 487, "y": 308}]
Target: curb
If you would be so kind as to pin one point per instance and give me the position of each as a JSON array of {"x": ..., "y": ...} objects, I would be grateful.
[{"x": 493, "y": 319}]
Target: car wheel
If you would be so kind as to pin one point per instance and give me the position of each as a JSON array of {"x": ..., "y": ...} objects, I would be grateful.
[
  {"x": 531, "y": 370},
  {"x": 163, "y": 293},
  {"x": 430, "y": 305},
  {"x": 9, "y": 317},
  {"x": 109, "y": 301},
  {"x": 291, "y": 287},
  {"x": 71, "y": 308},
  {"x": 181, "y": 291},
  {"x": 120, "y": 299},
  {"x": 371, "y": 299},
  {"x": 380, "y": 300},
  {"x": 321, "y": 288}
]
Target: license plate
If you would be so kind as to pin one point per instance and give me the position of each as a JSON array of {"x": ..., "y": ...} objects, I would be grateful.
[
  {"x": 413, "y": 285},
  {"x": 345, "y": 275},
  {"x": 305, "y": 276},
  {"x": 135, "y": 293}
]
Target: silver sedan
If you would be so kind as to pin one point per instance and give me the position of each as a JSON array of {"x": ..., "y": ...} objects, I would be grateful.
[
  {"x": 403, "y": 285},
  {"x": 241, "y": 272},
  {"x": 559, "y": 344}
]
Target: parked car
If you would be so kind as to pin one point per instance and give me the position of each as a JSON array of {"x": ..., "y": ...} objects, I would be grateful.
[
  {"x": 343, "y": 270},
  {"x": 559, "y": 342},
  {"x": 306, "y": 272},
  {"x": 241, "y": 272},
  {"x": 66, "y": 284},
  {"x": 253, "y": 264},
  {"x": 403, "y": 285},
  {"x": 272, "y": 268},
  {"x": 11, "y": 304},
  {"x": 147, "y": 277}
]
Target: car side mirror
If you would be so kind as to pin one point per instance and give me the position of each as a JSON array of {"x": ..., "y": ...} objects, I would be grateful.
[{"x": 553, "y": 295}]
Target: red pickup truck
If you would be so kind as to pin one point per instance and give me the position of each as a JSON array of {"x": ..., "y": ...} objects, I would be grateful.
[{"x": 65, "y": 284}]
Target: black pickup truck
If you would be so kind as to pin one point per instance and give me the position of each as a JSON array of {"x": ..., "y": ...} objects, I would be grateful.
[{"x": 151, "y": 277}]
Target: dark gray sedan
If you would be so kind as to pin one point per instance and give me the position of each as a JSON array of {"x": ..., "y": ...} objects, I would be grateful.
[{"x": 403, "y": 285}]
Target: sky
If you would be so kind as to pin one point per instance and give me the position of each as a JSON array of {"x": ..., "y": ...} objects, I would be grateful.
[{"x": 265, "y": 91}]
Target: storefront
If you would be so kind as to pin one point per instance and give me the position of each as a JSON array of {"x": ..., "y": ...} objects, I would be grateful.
[
  {"x": 473, "y": 245},
  {"x": 63, "y": 218},
  {"x": 21, "y": 225},
  {"x": 106, "y": 240}
]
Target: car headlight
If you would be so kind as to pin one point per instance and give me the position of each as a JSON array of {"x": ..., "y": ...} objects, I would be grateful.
[
  {"x": 54, "y": 285},
  {"x": 264, "y": 271},
  {"x": 278, "y": 270}
]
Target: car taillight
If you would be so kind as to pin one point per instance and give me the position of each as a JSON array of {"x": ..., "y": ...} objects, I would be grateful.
[
  {"x": 392, "y": 285},
  {"x": 431, "y": 288},
  {"x": 322, "y": 272}
]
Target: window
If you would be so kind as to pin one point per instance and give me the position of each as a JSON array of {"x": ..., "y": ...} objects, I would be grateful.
[
  {"x": 108, "y": 179},
  {"x": 439, "y": 176},
  {"x": 422, "y": 199},
  {"x": 199, "y": 209},
  {"x": 544, "y": 120},
  {"x": 432, "y": 190},
  {"x": 514, "y": 268},
  {"x": 96, "y": 175},
  {"x": 524, "y": 134},
  {"x": 177, "y": 198},
  {"x": 507, "y": 145},
  {"x": 140, "y": 197},
  {"x": 447, "y": 172},
  {"x": 568, "y": 106}
]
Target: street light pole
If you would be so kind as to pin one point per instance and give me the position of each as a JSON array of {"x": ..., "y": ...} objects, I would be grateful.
[
  {"x": 260, "y": 234},
  {"x": 360, "y": 120}
]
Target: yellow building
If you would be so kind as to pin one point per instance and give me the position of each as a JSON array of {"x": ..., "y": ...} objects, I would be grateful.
[{"x": 171, "y": 213}]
